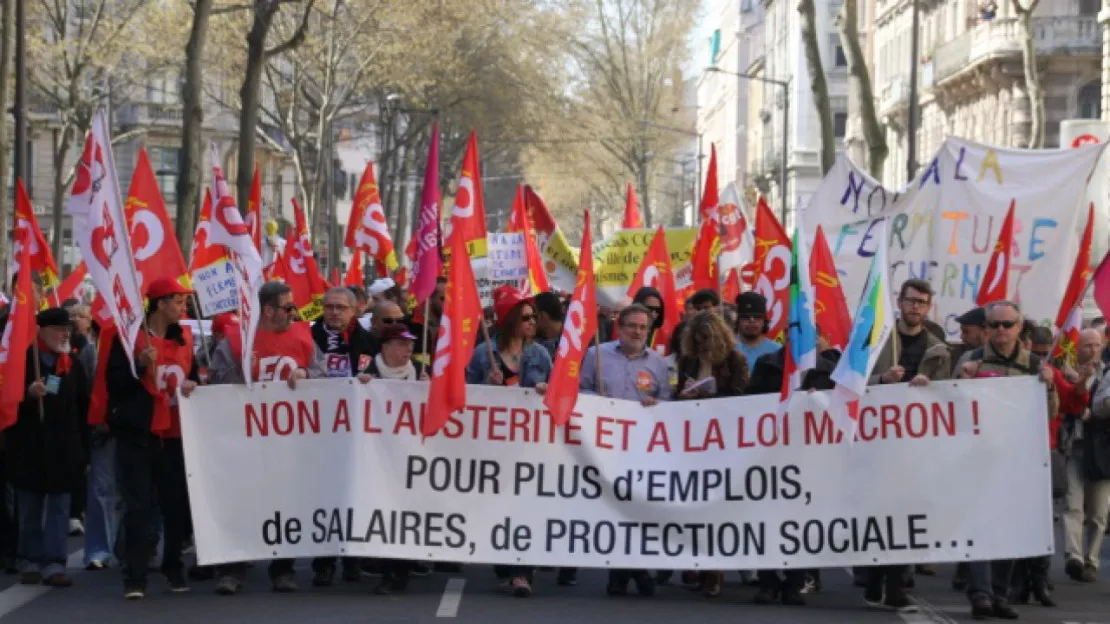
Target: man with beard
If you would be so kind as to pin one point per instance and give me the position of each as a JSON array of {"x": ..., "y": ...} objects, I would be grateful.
[
  {"x": 143, "y": 417},
  {"x": 345, "y": 348},
  {"x": 922, "y": 357}
]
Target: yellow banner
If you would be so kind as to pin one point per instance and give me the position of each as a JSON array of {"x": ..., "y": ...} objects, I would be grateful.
[{"x": 618, "y": 257}]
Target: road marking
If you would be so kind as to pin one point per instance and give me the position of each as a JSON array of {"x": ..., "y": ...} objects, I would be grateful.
[
  {"x": 18, "y": 594},
  {"x": 452, "y": 596},
  {"x": 927, "y": 614}
]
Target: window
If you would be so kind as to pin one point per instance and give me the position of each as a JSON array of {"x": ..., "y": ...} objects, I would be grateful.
[
  {"x": 746, "y": 6},
  {"x": 838, "y": 56},
  {"x": 714, "y": 47},
  {"x": 840, "y": 125},
  {"x": 1089, "y": 101},
  {"x": 164, "y": 162},
  {"x": 1089, "y": 7},
  {"x": 164, "y": 88}
]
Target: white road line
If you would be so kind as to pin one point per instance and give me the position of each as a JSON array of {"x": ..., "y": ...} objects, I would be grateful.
[
  {"x": 18, "y": 594},
  {"x": 452, "y": 596},
  {"x": 927, "y": 614}
]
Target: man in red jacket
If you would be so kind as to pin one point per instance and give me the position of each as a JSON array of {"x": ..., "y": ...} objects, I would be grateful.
[{"x": 142, "y": 416}]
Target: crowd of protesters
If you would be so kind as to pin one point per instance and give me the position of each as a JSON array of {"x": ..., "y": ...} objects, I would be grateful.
[{"x": 123, "y": 487}]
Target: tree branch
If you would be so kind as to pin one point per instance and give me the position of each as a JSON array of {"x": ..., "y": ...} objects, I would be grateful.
[{"x": 298, "y": 35}]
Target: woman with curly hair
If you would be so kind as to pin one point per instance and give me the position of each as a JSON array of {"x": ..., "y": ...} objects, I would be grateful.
[{"x": 710, "y": 366}]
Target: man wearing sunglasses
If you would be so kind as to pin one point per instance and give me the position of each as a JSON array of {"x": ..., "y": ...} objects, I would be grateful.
[
  {"x": 1002, "y": 356},
  {"x": 283, "y": 350},
  {"x": 386, "y": 313}
]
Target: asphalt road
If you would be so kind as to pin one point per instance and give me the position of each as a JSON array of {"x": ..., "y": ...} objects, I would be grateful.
[{"x": 472, "y": 596}]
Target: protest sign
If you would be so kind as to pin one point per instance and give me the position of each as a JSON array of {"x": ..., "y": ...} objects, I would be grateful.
[
  {"x": 215, "y": 288},
  {"x": 945, "y": 224},
  {"x": 618, "y": 256},
  {"x": 953, "y": 471}
]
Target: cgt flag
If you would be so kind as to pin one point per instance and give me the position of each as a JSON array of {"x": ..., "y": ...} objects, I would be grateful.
[
  {"x": 771, "y": 268},
  {"x": 157, "y": 253},
  {"x": 26, "y": 233},
  {"x": 579, "y": 328},
  {"x": 520, "y": 222},
  {"x": 1069, "y": 319},
  {"x": 18, "y": 334},
  {"x": 462, "y": 312},
  {"x": 304, "y": 274},
  {"x": 468, "y": 214},
  {"x": 655, "y": 272},
  {"x": 367, "y": 229},
  {"x": 996, "y": 279}
]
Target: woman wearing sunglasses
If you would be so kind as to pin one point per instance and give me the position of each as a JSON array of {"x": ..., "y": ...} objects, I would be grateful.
[{"x": 513, "y": 358}]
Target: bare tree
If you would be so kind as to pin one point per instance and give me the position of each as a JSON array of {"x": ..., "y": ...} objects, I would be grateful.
[
  {"x": 1035, "y": 91},
  {"x": 818, "y": 84},
  {"x": 847, "y": 21},
  {"x": 7, "y": 26}
]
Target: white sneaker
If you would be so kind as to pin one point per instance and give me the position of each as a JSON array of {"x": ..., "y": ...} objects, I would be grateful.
[{"x": 75, "y": 527}]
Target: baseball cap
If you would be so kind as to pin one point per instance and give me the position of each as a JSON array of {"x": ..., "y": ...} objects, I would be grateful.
[{"x": 164, "y": 288}]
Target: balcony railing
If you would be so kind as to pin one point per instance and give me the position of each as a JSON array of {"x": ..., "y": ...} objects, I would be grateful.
[
  {"x": 1052, "y": 36},
  {"x": 148, "y": 113}
]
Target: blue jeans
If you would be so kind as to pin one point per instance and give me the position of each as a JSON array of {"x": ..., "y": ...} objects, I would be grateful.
[
  {"x": 43, "y": 529},
  {"x": 102, "y": 506},
  {"x": 990, "y": 579}
]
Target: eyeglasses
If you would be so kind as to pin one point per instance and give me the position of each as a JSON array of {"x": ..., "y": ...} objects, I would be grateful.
[
  {"x": 527, "y": 318},
  {"x": 390, "y": 321},
  {"x": 921, "y": 303},
  {"x": 997, "y": 324}
]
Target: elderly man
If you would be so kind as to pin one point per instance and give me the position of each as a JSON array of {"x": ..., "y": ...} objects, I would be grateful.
[
  {"x": 1003, "y": 355},
  {"x": 1088, "y": 464},
  {"x": 630, "y": 371}
]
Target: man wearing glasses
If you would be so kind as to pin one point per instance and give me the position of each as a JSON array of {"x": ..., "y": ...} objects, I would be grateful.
[
  {"x": 921, "y": 357},
  {"x": 283, "y": 350},
  {"x": 386, "y": 313}
]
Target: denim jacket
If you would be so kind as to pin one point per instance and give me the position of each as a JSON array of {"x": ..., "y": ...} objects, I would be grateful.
[{"x": 535, "y": 365}]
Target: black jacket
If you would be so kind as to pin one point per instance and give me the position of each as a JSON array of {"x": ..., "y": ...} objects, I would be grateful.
[
  {"x": 766, "y": 377},
  {"x": 359, "y": 343},
  {"x": 48, "y": 454},
  {"x": 130, "y": 406}
]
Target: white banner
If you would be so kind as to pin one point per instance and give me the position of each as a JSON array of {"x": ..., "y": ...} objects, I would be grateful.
[
  {"x": 952, "y": 472},
  {"x": 216, "y": 288},
  {"x": 944, "y": 225}
]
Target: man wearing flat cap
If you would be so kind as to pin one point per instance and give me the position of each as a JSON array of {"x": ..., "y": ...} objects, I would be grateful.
[
  {"x": 144, "y": 418},
  {"x": 46, "y": 450},
  {"x": 973, "y": 334}
]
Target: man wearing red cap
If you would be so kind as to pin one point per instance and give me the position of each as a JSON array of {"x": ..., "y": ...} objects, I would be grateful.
[{"x": 142, "y": 415}]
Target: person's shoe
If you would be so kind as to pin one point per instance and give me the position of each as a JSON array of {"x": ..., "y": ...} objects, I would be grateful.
[
  {"x": 793, "y": 598},
  {"x": 711, "y": 588},
  {"x": 201, "y": 573},
  {"x": 1042, "y": 594},
  {"x": 521, "y": 588},
  {"x": 285, "y": 583},
  {"x": 228, "y": 586},
  {"x": 1089, "y": 575},
  {"x": 76, "y": 527},
  {"x": 663, "y": 577},
  {"x": 176, "y": 581},
  {"x": 351, "y": 574},
  {"x": 568, "y": 577},
  {"x": 925, "y": 569},
  {"x": 421, "y": 569},
  {"x": 31, "y": 577},
  {"x": 134, "y": 592},
  {"x": 751, "y": 579},
  {"x": 812, "y": 585},
  {"x": 765, "y": 597},
  {"x": 645, "y": 585},
  {"x": 95, "y": 566},
  {"x": 1074, "y": 569},
  {"x": 897, "y": 600},
  {"x": 58, "y": 580},
  {"x": 981, "y": 608},
  {"x": 323, "y": 577},
  {"x": 1004, "y": 611},
  {"x": 873, "y": 596}
]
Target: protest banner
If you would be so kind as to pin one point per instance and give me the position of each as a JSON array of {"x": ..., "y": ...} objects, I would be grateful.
[
  {"x": 944, "y": 224},
  {"x": 618, "y": 256},
  {"x": 955, "y": 471},
  {"x": 215, "y": 287}
]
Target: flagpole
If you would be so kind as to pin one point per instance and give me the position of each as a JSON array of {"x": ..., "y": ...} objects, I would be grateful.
[
  {"x": 200, "y": 328},
  {"x": 424, "y": 343}
]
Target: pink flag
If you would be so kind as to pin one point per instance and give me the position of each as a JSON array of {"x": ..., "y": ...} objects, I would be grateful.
[
  {"x": 428, "y": 263},
  {"x": 1101, "y": 284},
  {"x": 100, "y": 229}
]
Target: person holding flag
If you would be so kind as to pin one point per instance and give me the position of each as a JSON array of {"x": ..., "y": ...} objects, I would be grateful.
[{"x": 142, "y": 415}]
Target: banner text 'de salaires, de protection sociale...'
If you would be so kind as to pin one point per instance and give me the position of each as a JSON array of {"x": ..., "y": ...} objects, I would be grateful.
[{"x": 952, "y": 472}]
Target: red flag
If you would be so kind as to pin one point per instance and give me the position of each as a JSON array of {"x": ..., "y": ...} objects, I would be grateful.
[
  {"x": 462, "y": 312},
  {"x": 334, "y": 281},
  {"x": 704, "y": 262},
  {"x": 367, "y": 228},
  {"x": 831, "y": 307},
  {"x": 71, "y": 284},
  {"x": 428, "y": 264},
  {"x": 1069, "y": 319},
  {"x": 153, "y": 242},
  {"x": 579, "y": 327},
  {"x": 632, "y": 218},
  {"x": 18, "y": 334},
  {"x": 303, "y": 273},
  {"x": 468, "y": 215},
  {"x": 354, "y": 271},
  {"x": 254, "y": 210},
  {"x": 996, "y": 280},
  {"x": 204, "y": 253},
  {"x": 655, "y": 271},
  {"x": 709, "y": 199},
  {"x": 520, "y": 222},
  {"x": 26, "y": 233},
  {"x": 731, "y": 290},
  {"x": 771, "y": 270}
]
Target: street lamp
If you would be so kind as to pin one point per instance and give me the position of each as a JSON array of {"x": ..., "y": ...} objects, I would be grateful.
[{"x": 785, "y": 85}]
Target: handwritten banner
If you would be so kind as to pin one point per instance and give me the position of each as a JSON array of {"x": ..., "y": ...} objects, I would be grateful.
[
  {"x": 215, "y": 287},
  {"x": 943, "y": 226},
  {"x": 950, "y": 472}
]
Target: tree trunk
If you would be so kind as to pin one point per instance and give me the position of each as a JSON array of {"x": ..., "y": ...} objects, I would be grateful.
[
  {"x": 1032, "y": 75},
  {"x": 192, "y": 117},
  {"x": 860, "y": 77},
  {"x": 249, "y": 97},
  {"x": 61, "y": 152},
  {"x": 817, "y": 83},
  {"x": 7, "y": 26},
  {"x": 645, "y": 197}
]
